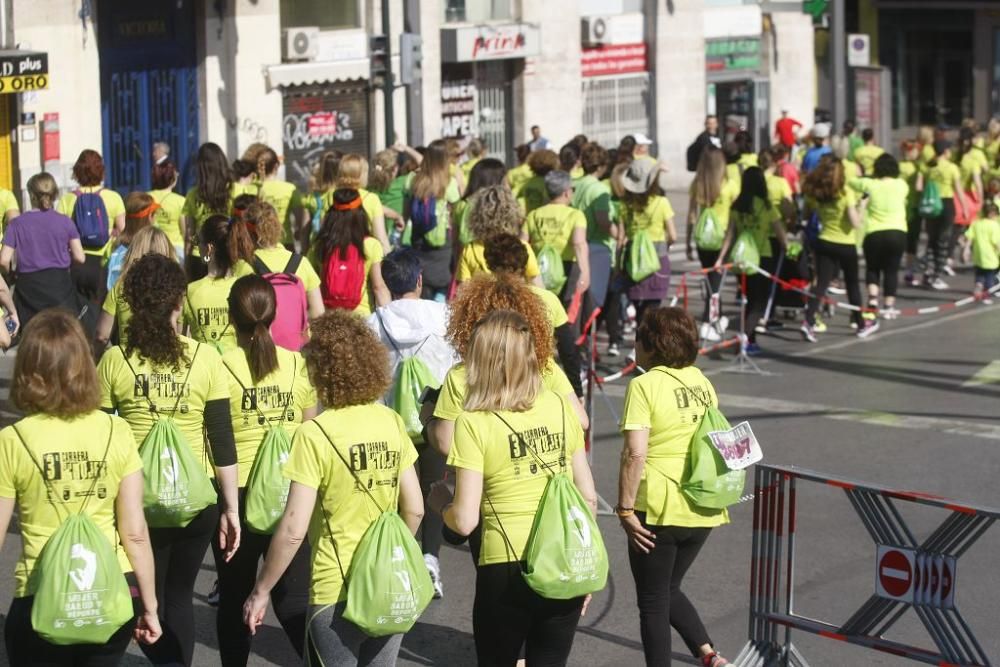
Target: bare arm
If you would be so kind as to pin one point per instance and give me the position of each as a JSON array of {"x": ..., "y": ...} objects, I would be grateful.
[
  {"x": 413, "y": 153},
  {"x": 134, "y": 536},
  {"x": 76, "y": 251},
  {"x": 6, "y": 258},
  {"x": 854, "y": 216},
  {"x": 583, "y": 478},
  {"x": 6, "y": 512},
  {"x": 726, "y": 243},
  {"x": 633, "y": 462},
  {"x": 229, "y": 523},
  {"x": 441, "y": 433},
  {"x": 7, "y": 301},
  {"x": 378, "y": 231},
  {"x": 462, "y": 514},
  {"x": 671, "y": 231},
  {"x": 105, "y": 323},
  {"x": 977, "y": 185},
  {"x": 314, "y": 300},
  {"x": 411, "y": 499},
  {"x": 381, "y": 292},
  {"x": 582, "y": 252},
  {"x": 957, "y": 185},
  {"x": 119, "y": 225},
  {"x": 581, "y": 413}
]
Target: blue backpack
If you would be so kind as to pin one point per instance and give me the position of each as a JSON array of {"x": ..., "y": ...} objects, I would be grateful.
[
  {"x": 91, "y": 218},
  {"x": 424, "y": 219},
  {"x": 813, "y": 228}
]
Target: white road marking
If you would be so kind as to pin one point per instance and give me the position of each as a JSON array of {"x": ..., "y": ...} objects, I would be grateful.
[{"x": 988, "y": 374}]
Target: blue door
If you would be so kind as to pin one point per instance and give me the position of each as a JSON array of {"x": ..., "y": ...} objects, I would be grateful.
[{"x": 149, "y": 88}]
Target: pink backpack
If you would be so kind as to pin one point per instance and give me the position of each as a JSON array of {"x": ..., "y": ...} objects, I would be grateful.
[{"x": 291, "y": 316}]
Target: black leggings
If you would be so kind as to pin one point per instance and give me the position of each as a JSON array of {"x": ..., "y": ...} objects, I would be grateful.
[
  {"x": 708, "y": 258},
  {"x": 883, "y": 253},
  {"x": 431, "y": 468},
  {"x": 914, "y": 225},
  {"x": 661, "y": 601},
  {"x": 507, "y": 615},
  {"x": 939, "y": 237},
  {"x": 177, "y": 555},
  {"x": 756, "y": 293},
  {"x": 831, "y": 257},
  {"x": 26, "y": 648},
  {"x": 290, "y": 597},
  {"x": 569, "y": 356},
  {"x": 90, "y": 278}
]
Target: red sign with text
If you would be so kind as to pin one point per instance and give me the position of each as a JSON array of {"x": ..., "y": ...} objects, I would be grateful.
[
  {"x": 50, "y": 137},
  {"x": 613, "y": 60}
]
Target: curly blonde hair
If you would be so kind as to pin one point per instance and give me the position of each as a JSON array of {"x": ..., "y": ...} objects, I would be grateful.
[
  {"x": 493, "y": 211},
  {"x": 265, "y": 218},
  {"x": 486, "y": 293},
  {"x": 346, "y": 362}
]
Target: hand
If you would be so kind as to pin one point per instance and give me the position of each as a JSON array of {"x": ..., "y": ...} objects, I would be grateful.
[
  {"x": 229, "y": 533},
  {"x": 586, "y": 605},
  {"x": 254, "y": 610},
  {"x": 639, "y": 538},
  {"x": 400, "y": 224},
  {"x": 690, "y": 252},
  {"x": 147, "y": 628},
  {"x": 583, "y": 284},
  {"x": 718, "y": 263},
  {"x": 442, "y": 493}
]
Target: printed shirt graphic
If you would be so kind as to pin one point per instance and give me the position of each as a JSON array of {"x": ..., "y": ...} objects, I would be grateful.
[
  {"x": 652, "y": 219},
  {"x": 513, "y": 477},
  {"x": 167, "y": 218},
  {"x": 658, "y": 402},
  {"x": 451, "y": 402},
  {"x": 70, "y": 453},
  {"x": 112, "y": 202},
  {"x": 285, "y": 199},
  {"x": 553, "y": 224},
  {"x": 269, "y": 396},
  {"x": 473, "y": 262},
  {"x": 126, "y": 393},
  {"x": 206, "y": 308},
  {"x": 373, "y": 440}
]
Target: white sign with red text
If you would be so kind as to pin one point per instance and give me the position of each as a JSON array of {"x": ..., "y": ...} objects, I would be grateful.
[{"x": 490, "y": 42}]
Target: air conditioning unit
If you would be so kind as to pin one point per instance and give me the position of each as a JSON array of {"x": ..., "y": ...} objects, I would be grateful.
[
  {"x": 301, "y": 43},
  {"x": 595, "y": 30}
]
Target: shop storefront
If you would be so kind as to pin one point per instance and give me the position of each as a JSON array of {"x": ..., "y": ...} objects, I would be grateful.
[
  {"x": 738, "y": 90},
  {"x": 20, "y": 72},
  {"x": 479, "y": 65}
]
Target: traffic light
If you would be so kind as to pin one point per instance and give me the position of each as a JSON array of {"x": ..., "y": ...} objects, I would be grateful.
[
  {"x": 410, "y": 58},
  {"x": 378, "y": 51}
]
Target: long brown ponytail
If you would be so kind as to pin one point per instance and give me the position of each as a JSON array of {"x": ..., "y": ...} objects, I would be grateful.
[{"x": 252, "y": 306}]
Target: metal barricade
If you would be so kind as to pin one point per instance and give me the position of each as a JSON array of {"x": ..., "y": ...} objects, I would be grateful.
[{"x": 909, "y": 574}]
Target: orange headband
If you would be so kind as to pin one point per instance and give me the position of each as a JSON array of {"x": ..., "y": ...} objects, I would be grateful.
[
  {"x": 349, "y": 206},
  {"x": 144, "y": 213}
]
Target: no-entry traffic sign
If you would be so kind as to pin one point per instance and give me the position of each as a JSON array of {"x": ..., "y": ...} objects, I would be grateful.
[{"x": 895, "y": 573}]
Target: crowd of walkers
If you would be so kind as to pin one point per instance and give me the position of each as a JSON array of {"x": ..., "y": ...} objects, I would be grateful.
[{"x": 268, "y": 373}]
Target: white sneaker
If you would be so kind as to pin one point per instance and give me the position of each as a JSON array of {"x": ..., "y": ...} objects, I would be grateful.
[
  {"x": 937, "y": 284},
  {"x": 613, "y": 350},
  {"x": 948, "y": 271},
  {"x": 434, "y": 568},
  {"x": 889, "y": 313},
  {"x": 709, "y": 333},
  {"x": 723, "y": 323}
]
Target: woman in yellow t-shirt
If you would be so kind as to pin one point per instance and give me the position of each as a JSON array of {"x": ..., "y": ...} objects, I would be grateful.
[
  {"x": 275, "y": 257},
  {"x": 157, "y": 375},
  {"x": 169, "y": 216},
  {"x": 836, "y": 249},
  {"x": 477, "y": 298},
  {"x": 493, "y": 212},
  {"x": 487, "y": 172},
  {"x": 665, "y": 531},
  {"x": 212, "y": 194},
  {"x": 268, "y": 387},
  {"x": 502, "y": 439},
  {"x": 348, "y": 259},
  {"x": 532, "y": 193},
  {"x": 947, "y": 178},
  {"x": 91, "y": 466},
  {"x": 150, "y": 240},
  {"x": 227, "y": 248},
  {"x": 712, "y": 192},
  {"x": 350, "y": 370},
  {"x": 283, "y": 196},
  {"x": 352, "y": 174}
]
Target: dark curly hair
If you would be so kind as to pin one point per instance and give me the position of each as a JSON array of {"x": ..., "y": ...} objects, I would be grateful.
[
  {"x": 670, "y": 335},
  {"x": 347, "y": 363},
  {"x": 485, "y": 293},
  {"x": 153, "y": 288},
  {"x": 505, "y": 253}
]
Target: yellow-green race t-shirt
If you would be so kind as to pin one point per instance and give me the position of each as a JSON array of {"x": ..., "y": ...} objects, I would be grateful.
[
  {"x": 553, "y": 225},
  {"x": 887, "y": 201},
  {"x": 276, "y": 400},
  {"x": 285, "y": 199},
  {"x": 984, "y": 234},
  {"x": 370, "y": 202},
  {"x": 117, "y": 307},
  {"x": 206, "y": 308},
  {"x": 514, "y": 478},
  {"x": 653, "y": 219},
  {"x": 473, "y": 262},
  {"x": 167, "y": 218},
  {"x": 553, "y": 306},
  {"x": 130, "y": 390},
  {"x": 112, "y": 202},
  {"x": 671, "y": 410},
  {"x": 759, "y": 223},
  {"x": 943, "y": 175},
  {"x": 276, "y": 259},
  {"x": 197, "y": 212},
  {"x": 70, "y": 452},
  {"x": 372, "y": 440},
  {"x": 865, "y": 156},
  {"x": 837, "y": 227},
  {"x": 451, "y": 401},
  {"x": 8, "y": 202}
]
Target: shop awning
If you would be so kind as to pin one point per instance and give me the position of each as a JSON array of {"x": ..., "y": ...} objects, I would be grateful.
[
  {"x": 23, "y": 71},
  {"x": 302, "y": 74}
]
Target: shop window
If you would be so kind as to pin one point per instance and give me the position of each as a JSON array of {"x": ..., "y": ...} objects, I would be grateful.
[
  {"x": 476, "y": 11},
  {"x": 326, "y": 14}
]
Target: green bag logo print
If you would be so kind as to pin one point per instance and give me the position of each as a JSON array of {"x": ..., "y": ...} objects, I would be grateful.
[
  {"x": 81, "y": 596},
  {"x": 382, "y": 602},
  {"x": 550, "y": 266},
  {"x": 930, "y": 205},
  {"x": 708, "y": 233},
  {"x": 745, "y": 255}
]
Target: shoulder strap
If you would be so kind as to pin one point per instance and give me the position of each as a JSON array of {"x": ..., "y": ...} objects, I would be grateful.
[
  {"x": 681, "y": 382},
  {"x": 180, "y": 394},
  {"x": 259, "y": 267},
  {"x": 93, "y": 484},
  {"x": 145, "y": 389},
  {"x": 293, "y": 263},
  {"x": 349, "y": 468}
]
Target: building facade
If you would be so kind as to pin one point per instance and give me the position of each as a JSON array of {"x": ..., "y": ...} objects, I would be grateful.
[{"x": 297, "y": 75}]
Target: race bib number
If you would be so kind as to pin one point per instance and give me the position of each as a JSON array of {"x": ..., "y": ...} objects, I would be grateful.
[{"x": 738, "y": 446}]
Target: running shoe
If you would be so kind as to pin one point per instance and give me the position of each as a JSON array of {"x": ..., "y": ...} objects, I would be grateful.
[
  {"x": 613, "y": 350},
  {"x": 213, "y": 597},
  {"x": 910, "y": 279},
  {"x": 936, "y": 283},
  {"x": 870, "y": 327},
  {"x": 854, "y": 325},
  {"x": 761, "y": 327},
  {"x": 836, "y": 289},
  {"x": 714, "y": 660},
  {"x": 808, "y": 332},
  {"x": 709, "y": 333},
  {"x": 948, "y": 271},
  {"x": 434, "y": 569},
  {"x": 820, "y": 326},
  {"x": 753, "y": 350},
  {"x": 987, "y": 301},
  {"x": 889, "y": 313},
  {"x": 723, "y": 323}
]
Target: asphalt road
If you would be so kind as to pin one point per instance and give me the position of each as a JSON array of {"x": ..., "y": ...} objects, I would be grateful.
[{"x": 913, "y": 407}]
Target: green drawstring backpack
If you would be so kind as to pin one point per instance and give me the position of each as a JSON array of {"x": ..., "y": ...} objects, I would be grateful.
[
  {"x": 708, "y": 233},
  {"x": 642, "y": 260},
  {"x": 81, "y": 596},
  {"x": 564, "y": 557},
  {"x": 708, "y": 482},
  {"x": 745, "y": 255},
  {"x": 176, "y": 487},
  {"x": 267, "y": 489},
  {"x": 412, "y": 377},
  {"x": 388, "y": 586},
  {"x": 550, "y": 266}
]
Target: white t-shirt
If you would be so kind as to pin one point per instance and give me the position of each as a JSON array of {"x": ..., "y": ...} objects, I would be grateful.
[{"x": 415, "y": 326}]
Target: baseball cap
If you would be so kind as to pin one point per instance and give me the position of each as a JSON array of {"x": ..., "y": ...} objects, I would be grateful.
[
  {"x": 642, "y": 140},
  {"x": 821, "y": 130},
  {"x": 640, "y": 174}
]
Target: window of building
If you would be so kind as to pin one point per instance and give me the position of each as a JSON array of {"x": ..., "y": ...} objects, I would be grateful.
[
  {"x": 326, "y": 14},
  {"x": 476, "y": 11}
]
